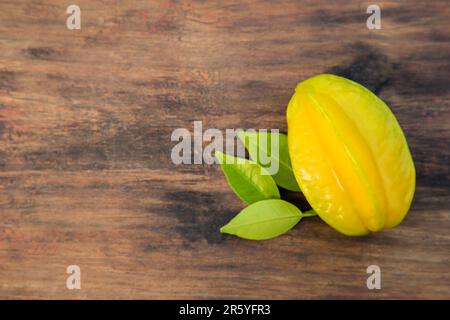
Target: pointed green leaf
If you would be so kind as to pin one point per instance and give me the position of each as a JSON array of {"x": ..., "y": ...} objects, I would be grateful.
[
  {"x": 285, "y": 176},
  {"x": 246, "y": 179},
  {"x": 264, "y": 220}
]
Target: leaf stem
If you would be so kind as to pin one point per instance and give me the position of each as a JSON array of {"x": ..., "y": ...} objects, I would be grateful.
[{"x": 309, "y": 213}]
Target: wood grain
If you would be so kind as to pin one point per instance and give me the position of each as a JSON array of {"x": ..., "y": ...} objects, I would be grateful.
[{"x": 85, "y": 123}]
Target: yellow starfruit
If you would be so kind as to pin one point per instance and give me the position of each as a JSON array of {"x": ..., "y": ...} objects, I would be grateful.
[{"x": 349, "y": 155}]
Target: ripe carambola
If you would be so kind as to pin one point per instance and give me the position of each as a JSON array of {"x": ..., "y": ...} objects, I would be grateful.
[{"x": 349, "y": 155}]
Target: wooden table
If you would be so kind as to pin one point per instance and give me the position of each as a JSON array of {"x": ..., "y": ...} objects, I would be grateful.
[{"x": 86, "y": 117}]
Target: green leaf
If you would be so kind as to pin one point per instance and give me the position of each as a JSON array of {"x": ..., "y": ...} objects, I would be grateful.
[
  {"x": 246, "y": 179},
  {"x": 285, "y": 176},
  {"x": 264, "y": 220}
]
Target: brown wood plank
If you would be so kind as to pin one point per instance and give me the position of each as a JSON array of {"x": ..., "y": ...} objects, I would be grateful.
[{"x": 85, "y": 122}]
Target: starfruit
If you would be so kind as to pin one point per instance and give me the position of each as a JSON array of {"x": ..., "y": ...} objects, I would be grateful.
[{"x": 349, "y": 155}]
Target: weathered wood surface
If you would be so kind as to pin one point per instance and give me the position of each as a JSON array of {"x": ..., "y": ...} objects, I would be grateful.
[{"x": 85, "y": 124}]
